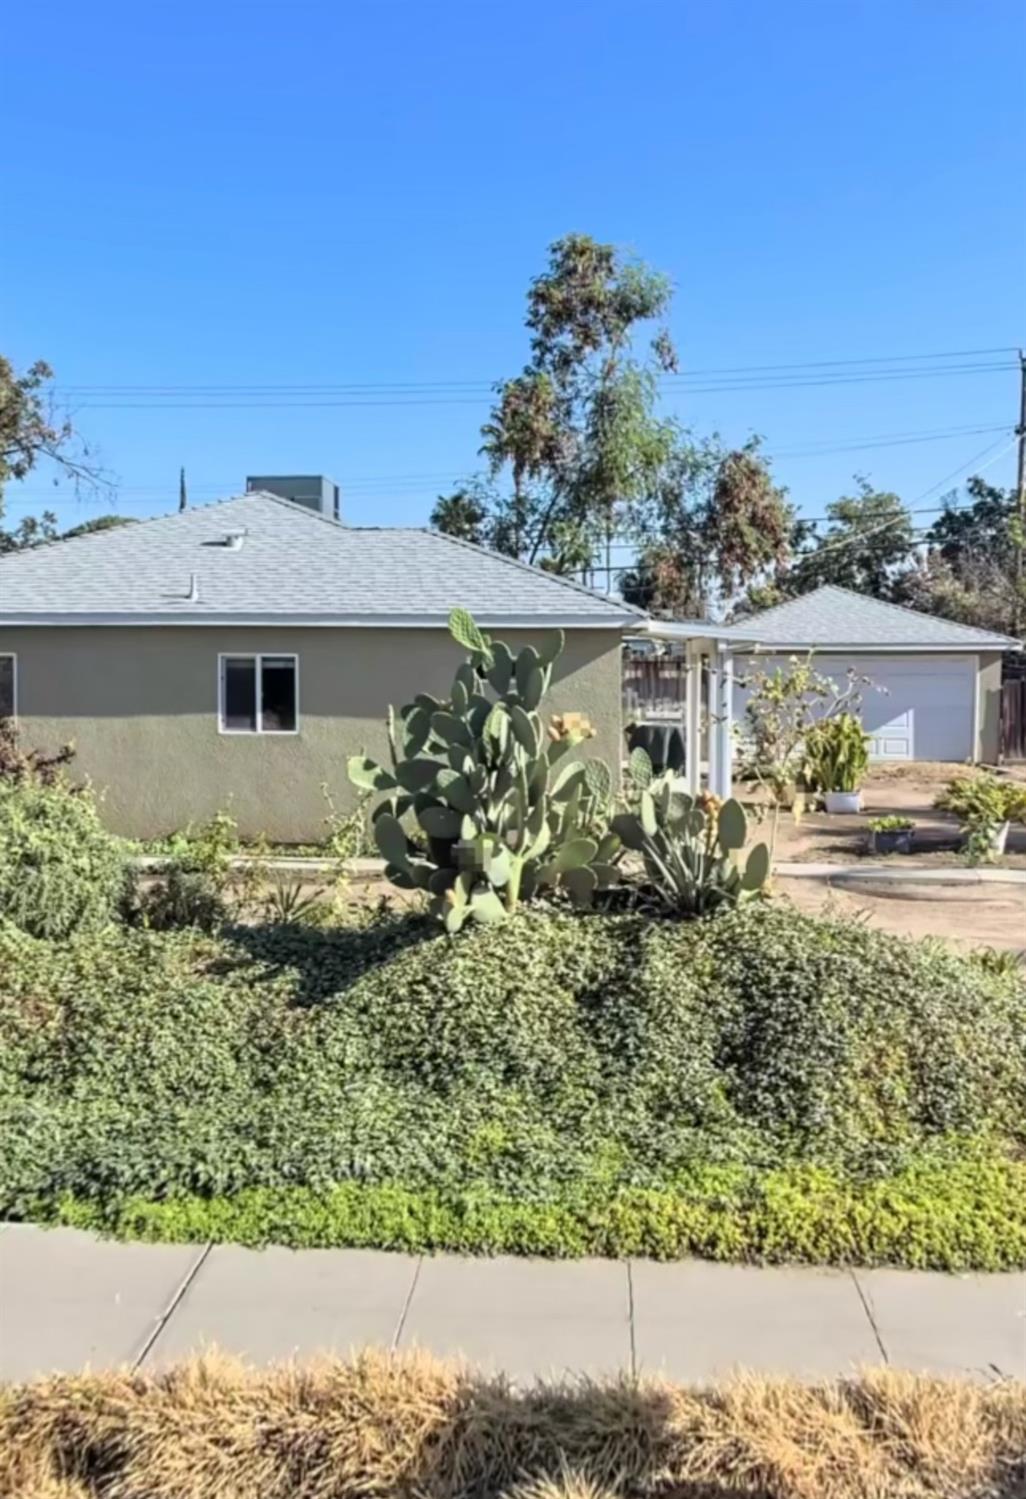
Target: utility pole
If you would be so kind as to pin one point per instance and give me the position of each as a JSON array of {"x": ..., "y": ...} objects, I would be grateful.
[{"x": 1020, "y": 496}]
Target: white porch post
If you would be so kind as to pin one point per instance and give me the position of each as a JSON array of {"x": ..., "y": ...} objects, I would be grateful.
[
  {"x": 712, "y": 738},
  {"x": 693, "y": 720},
  {"x": 725, "y": 722}
]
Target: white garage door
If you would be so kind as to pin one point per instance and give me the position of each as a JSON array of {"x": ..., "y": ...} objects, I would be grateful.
[{"x": 919, "y": 707}]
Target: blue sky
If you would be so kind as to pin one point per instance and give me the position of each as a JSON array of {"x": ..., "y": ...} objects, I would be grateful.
[{"x": 317, "y": 193}]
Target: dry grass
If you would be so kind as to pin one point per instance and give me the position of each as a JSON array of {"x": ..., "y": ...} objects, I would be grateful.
[{"x": 413, "y": 1428}]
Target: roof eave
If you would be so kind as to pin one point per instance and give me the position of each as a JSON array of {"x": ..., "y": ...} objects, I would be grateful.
[
  {"x": 959, "y": 647},
  {"x": 317, "y": 620}
]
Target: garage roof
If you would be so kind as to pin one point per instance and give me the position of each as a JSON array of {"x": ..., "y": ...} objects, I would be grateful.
[
  {"x": 259, "y": 558},
  {"x": 836, "y": 618}
]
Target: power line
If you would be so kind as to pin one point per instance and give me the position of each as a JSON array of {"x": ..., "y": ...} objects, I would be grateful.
[
  {"x": 860, "y": 535},
  {"x": 291, "y": 403},
  {"x": 415, "y": 385},
  {"x": 962, "y": 468},
  {"x": 370, "y": 485},
  {"x": 466, "y": 392}
]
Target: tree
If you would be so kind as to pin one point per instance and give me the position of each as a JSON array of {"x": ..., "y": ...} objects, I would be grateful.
[
  {"x": 30, "y": 432},
  {"x": 584, "y": 312},
  {"x": 962, "y": 533},
  {"x": 526, "y": 431},
  {"x": 868, "y": 543},
  {"x": 31, "y": 531},
  {"x": 715, "y": 522},
  {"x": 968, "y": 570},
  {"x": 577, "y": 429},
  {"x": 98, "y": 523},
  {"x": 34, "y": 532},
  {"x": 464, "y": 513}
]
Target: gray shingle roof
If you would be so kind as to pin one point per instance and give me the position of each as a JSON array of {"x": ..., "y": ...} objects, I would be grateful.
[
  {"x": 831, "y": 616},
  {"x": 293, "y": 563}
]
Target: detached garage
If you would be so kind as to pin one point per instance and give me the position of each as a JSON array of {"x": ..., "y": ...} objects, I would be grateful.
[{"x": 936, "y": 692}]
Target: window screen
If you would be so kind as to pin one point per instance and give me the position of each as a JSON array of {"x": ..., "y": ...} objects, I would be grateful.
[
  {"x": 259, "y": 694},
  {"x": 6, "y": 686}
]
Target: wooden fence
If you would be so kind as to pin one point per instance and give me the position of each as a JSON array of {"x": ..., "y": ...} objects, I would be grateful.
[
  {"x": 653, "y": 689},
  {"x": 1013, "y": 719}
]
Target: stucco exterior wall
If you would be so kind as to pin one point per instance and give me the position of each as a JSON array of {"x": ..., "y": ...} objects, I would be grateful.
[
  {"x": 988, "y": 747},
  {"x": 141, "y": 705}
]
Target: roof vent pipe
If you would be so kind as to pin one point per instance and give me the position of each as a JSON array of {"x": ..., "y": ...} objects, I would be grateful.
[
  {"x": 233, "y": 540},
  {"x": 192, "y": 597}
]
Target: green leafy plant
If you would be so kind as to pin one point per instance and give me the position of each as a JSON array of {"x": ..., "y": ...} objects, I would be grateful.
[
  {"x": 984, "y": 797},
  {"x": 486, "y": 807},
  {"x": 347, "y": 838},
  {"x": 196, "y": 885},
  {"x": 689, "y": 845},
  {"x": 61, "y": 871},
  {"x": 18, "y": 764},
  {"x": 891, "y": 824},
  {"x": 836, "y": 754},
  {"x": 782, "y": 708},
  {"x": 1003, "y": 962},
  {"x": 983, "y": 803},
  {"x": 292, "y": 902},
  {"x": 949, "y": 1214},
  {"x": 762, "y": 1084}
]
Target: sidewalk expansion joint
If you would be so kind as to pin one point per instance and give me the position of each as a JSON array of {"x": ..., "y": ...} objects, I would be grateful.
[
  {"x": 630, "y": 1320},
  {"x": 867, "y": 1308},
  {"x": 172, "y": 1306},
  {"x": 400, "y": 1325}
]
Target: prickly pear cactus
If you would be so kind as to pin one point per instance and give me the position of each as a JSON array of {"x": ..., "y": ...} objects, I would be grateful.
[
  {"x": 485, "y": 805},
  {"x": 689, "y": 845}
]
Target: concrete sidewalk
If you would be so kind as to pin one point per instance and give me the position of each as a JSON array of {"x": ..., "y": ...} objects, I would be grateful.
[{"x": 68, "y": 1300}]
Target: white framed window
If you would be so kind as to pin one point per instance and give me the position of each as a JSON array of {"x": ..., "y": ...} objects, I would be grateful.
[
  {"x": 8, "y": 685},
  {"x": 257, "y": 694}
]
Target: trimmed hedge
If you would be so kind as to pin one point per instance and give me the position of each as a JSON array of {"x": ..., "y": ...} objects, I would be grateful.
[{"x": 579, "y": 1082}]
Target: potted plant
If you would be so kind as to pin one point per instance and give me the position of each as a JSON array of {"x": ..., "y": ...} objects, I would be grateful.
[
  {"x": 985, "y": 805},
  {"x": 891, "y": 835},
  {"x": 836, "y": 757}
]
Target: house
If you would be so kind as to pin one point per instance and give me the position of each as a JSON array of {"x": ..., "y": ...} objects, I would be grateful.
[
  {"x": 936, "y": 685},
  {"x": 236, "y": 654}
]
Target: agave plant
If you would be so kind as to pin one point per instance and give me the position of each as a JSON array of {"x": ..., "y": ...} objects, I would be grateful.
[
  {"x": 689, "y": 845},
  {"x": 484, "y": 805}
]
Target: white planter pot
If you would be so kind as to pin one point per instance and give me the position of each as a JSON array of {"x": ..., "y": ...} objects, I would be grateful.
[
  {"x": 843, "y": 801},
  {"x": 998, "y": 839}
]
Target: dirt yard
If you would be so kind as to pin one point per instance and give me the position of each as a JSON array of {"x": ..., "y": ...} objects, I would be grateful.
[
  {"x": 906, "y": 791},
  {"x": 967, "y": 916}
]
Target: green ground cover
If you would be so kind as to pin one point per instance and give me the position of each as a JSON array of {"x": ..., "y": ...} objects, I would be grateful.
[{"x": 758, "y": 1085}]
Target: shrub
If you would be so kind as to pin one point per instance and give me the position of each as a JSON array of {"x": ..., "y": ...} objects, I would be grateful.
[
  {"x": 983, "y": 798},
  {"x": 19, "y": 765},
  {"x": 61, "y": 871},
  {"x": 195, "y": 886},
  {"x": 982, "y": 802},
  {"x": 552, "y": 1055},
  {"x": 181, "y": 897}
]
